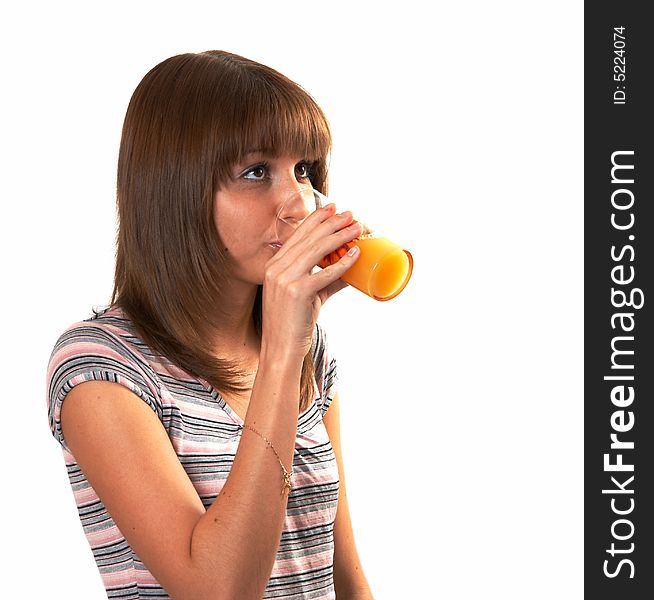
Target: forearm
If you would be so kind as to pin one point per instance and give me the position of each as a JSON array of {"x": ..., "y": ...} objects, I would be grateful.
[
  {"x": 355, "y": 591},
  {"x": 350, "y": 582},
  {"x": 236, "y": 540}
]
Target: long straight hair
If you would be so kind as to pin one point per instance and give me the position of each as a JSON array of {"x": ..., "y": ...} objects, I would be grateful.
[{"x": 190, "y": 119}]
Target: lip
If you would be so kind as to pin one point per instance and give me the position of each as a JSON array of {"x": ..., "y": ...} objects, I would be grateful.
[{"x": 276, "y": 244}]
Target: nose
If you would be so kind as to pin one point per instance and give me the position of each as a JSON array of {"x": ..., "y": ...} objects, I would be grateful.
[{"x": 296, "y": 203}]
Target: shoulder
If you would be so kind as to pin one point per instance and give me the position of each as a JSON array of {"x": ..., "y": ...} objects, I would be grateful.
[
  {"x": 325, "y": 367},
  {"x": 319, "y": 341},
  {"x": 100, "y": 348},
  {"x": 109, "y": 325},
  {"x": 107, "y": 333},
  {"x": 322, "y": 357}
]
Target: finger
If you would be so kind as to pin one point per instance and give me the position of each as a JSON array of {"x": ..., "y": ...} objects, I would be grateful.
[
  {"x": 337, "y": 244},
  {"x": 322, "y": 224},
  {"x": 314, "y": 220},
  {"x": 325, "y": 282},
  {"x": 308, "y": 252}
]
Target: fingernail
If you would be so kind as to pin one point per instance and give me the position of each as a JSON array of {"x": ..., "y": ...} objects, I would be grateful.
[{"x": 353, "y": 250}]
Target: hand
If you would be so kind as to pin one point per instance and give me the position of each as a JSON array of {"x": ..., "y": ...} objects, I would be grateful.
[{"x": 292, "y": 294}]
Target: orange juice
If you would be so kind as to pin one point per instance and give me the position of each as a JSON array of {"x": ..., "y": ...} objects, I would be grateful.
[{"x": 382, "y": 270}]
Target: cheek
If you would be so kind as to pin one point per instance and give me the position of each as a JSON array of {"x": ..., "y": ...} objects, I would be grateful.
[
  {"x": 243, "y": 224},
  {"x": 227, "y": 220},
  {"x": 241, "y": 234},
  {"x": 222, "y": 231}
]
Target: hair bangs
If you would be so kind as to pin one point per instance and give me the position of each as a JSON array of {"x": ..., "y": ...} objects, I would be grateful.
[{"x": 278, "y": 120}]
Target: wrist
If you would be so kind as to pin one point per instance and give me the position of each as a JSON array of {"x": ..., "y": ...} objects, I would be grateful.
[
  {"x": 282, "y": 355},
  {"x": 279, "y": 362}
]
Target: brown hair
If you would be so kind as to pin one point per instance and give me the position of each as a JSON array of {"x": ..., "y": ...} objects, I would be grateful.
[{"x": 190, "y": 119}]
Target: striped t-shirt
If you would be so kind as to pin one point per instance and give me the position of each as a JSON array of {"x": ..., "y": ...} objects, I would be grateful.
[{"x": 205, "y": 434}]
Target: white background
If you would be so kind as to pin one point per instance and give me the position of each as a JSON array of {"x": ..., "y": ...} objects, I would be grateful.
[{"x": 458, "y": 132}]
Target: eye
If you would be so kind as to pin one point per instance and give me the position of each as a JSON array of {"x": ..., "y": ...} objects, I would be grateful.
[
  {"x": 305, "y": 169},
  {"x": 256, "y": 173}
]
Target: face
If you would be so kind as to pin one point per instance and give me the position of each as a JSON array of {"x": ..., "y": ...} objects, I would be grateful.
[{"x": 255, "y": 210}]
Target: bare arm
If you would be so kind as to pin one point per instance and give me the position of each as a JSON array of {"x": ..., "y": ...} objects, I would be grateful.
[
  {"x": 227, "y": 551},
  {"x": 350, "y": 582}
]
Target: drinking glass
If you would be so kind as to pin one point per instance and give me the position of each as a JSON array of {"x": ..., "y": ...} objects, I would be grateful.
[{"x": 383, "y": 268}]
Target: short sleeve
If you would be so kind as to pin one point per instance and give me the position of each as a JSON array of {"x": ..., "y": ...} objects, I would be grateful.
[
  {"x": 89, "y": 352},
  {"x": 326, "y": 371}
]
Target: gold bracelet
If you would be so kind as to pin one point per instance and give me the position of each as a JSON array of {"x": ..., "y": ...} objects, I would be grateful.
[{"x": 287, "y": 475}]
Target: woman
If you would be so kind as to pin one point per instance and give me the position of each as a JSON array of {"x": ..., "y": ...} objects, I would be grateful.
[{"x": 196, "y": 432}]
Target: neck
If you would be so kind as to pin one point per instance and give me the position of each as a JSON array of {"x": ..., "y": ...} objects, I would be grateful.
[{"x": 237, "y": 338}]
